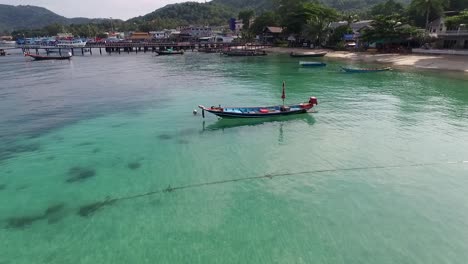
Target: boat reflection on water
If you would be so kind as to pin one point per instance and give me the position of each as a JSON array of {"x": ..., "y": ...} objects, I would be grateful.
[{"x": 225, "y": 123}]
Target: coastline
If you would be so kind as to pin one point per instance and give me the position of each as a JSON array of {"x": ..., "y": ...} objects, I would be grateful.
[{"x": 429, "y": 62}]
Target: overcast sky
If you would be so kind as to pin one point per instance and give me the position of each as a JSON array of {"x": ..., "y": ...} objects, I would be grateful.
[{"x": 123, "y": 9}]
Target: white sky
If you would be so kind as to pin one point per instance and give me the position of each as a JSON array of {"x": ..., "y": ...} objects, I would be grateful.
[{"x": 123, "y": 9}]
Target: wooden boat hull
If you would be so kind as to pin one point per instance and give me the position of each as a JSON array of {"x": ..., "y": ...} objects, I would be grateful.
[
  {"x": 350, "y": 70},
  {"x": 310, "y": 55},
  {"x": 41, "y": 58},
  {"x": 260, "y": 112},
  {"x": 244, "y": 53},
  {"x": 312, "y": 64},
  {"x": 168, "y": 53},
  {"x": 236, "y": 115}
]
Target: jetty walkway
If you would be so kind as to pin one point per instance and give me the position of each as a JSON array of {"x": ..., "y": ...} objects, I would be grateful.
[{"x": 128, "y": 47}]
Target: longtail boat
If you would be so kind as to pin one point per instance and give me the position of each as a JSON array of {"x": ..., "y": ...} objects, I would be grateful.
[
  {"x": 244, "y": 53},
  {"x": 170, "y": 52},
  {"x": 312, "y": 64},
  {"x": 261, "y": 111},
  {"x": 40, "y": 57},
  {"x": 363, "y": 70},
  {"x": 307, "y": 54}
]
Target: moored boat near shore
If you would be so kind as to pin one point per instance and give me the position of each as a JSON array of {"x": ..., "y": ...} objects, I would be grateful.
[
  {"x": 307, "y": 54},
  {"x": 244, "y": 53},
  {"x": 312, "y": 64},
  {"x": 260, "y": 111},
  {"x": 40, "y": 57},
  {"x": 169, "y": 52},
  {"x": 364, "y": 70}
]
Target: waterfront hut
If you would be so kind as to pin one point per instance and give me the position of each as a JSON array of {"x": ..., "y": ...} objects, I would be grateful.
[{"x": 273, "y": 34}]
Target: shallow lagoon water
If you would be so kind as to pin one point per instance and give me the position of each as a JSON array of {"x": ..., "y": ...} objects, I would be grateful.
[{"x": 102, "y": 161}]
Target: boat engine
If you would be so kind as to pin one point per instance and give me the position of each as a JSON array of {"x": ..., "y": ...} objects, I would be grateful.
[{"x": 313, "y": 101}]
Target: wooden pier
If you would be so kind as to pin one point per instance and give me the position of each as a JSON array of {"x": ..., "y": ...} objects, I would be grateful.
[{"x": 130, "y": 47}]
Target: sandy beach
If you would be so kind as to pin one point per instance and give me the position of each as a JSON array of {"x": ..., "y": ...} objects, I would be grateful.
[{"x": 433, "y": 62}]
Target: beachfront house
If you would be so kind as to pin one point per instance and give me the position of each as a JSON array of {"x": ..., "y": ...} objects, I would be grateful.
[
  {"x": 273, "y": 34},
  {"x": 351, "y": 40},
  {"x": 448, "y": 36}
]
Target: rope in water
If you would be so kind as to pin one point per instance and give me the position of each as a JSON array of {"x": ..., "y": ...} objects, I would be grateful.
[{"x": 277, "y": 175}]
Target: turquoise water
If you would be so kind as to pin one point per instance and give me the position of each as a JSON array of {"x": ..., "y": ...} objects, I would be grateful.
[{"x": 102, "y": 161}]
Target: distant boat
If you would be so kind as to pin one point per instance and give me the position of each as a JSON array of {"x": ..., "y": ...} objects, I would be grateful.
[
  {"x": 2, "y": 52},
  {"x": 7, "y": 43},
  {"x": 261, "y": 111},
  {"x": 170, "y": 52},
  {"x": 76, "y": 43},
  {"x": 364, "y": 70},
  {"x": 307, "y": 54},
  {"x": 39, "y": 57},
  {"x": 312, "y": 64},
  {"x": 244, "y": 53}
]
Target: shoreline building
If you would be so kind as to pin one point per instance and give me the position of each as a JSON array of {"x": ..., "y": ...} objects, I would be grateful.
[
  {"x": 197, "y": 31},
  {"x": 448, "y": 36}
]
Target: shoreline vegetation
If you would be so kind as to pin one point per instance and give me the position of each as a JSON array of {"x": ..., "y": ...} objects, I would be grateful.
[{"x": 419, "y": 61}]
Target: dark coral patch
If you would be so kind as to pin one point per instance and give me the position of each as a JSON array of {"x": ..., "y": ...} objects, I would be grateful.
[
  {"x": 22, "y": 222},
  {"x": 89, "y": 209},
  {"x": 54, "y": 209},
  {"x": 58, "y": 138},
  {"x": 10, "y": 151},
  {"x": 78, "y": 174},
  {"x": 22, "y": 187},
  {"x": 85, "y": 144},
  {"x": 134, "y": 165},
  {"x": 188, "y": 131},
  {"x": 183, "y": 142},
  {"x": 96, "y": 150},
  {"x": 118, "y": 125},
  {"x": 53, "y": 213},
  {"x": 164, "y": 137}
]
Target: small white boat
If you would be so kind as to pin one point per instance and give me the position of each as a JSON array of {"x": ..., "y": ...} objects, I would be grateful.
[
  {"x": 7, "y": 43},
  {"x": 76, "y": 43}
]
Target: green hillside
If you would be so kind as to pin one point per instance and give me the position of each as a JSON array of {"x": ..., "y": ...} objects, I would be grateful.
[
  {"x": 29, "y": 17},
  {"x": 191, "y": 13},
  {"x": 217, "y": 12}
]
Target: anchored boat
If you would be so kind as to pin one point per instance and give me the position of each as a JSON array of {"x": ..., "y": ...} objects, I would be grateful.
[
  {"x": 39, "y": 57},
  {"x": 261, "y": 111},
  {"x": 307, "y": 54},
  {"x": 312, "y": 64},
  {"x": 170, "y": 52},
  {"x": 363, "y": 70},
  {"x": 245, "y": 53}
]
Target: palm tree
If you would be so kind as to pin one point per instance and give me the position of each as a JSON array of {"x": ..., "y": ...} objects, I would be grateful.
[{"x": 425, "y": 7}]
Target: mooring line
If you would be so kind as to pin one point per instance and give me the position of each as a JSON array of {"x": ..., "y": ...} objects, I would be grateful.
[
  {"x": 90, "y": 209},
  {"x": 170, "y": 189}
]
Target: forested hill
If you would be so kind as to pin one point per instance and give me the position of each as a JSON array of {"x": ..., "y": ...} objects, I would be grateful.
[
  {"x": 342, "y": 5},
  {"x": 28, "y": 17},
  {"x": 189, "y": 13},
  {"x": 217, "y": 12}
]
